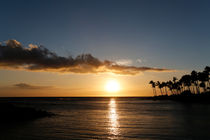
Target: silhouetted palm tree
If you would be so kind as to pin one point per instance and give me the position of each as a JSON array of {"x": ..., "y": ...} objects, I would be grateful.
[
  {"x": 160, "y": 87},
  {"x": 153, "y": 86},
  {"x": 164, "y": 85},
  {"x": 179, "y": 87},
  {"x": 207, "y": 71},
  {"x": 170, "y": 85},
  {"x": 174, "y": 79},
  {"x": 207, "y": 74},
  {"x": 175, "y": 85},
  {"x": 203, "y": 77},
  {"x": 194, "y": 81},
  {"x": 187, "y": 83},
  {"x": 202, "y": 84}
]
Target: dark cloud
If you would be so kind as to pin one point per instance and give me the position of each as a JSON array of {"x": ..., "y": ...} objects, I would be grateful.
[
  {"x": 28, "y": 86},
  {"x": 13, "y": 55}
]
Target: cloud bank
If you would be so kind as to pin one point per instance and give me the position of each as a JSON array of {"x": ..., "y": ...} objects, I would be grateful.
[
  {"x": 13, "y": 55},
  {"x": 28, "y": 86}
]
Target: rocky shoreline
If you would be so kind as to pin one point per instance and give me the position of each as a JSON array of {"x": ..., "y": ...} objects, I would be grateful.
[{"x": 14, "y": 113}]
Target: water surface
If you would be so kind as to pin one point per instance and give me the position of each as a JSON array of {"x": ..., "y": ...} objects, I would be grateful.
[{"x": 111, "y": 118}]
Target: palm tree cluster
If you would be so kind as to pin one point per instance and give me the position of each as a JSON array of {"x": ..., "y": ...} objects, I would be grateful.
[{"x": 194, "y": 83}]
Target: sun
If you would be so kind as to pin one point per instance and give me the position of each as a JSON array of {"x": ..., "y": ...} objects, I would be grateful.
[{"x": 112, "y": 86}]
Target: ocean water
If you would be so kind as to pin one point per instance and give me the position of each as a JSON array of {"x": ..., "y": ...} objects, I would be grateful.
[{"x": 111, "y": 118}]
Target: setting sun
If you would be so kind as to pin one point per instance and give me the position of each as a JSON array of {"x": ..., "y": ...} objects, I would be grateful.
[{"x": 112, "y": 86}]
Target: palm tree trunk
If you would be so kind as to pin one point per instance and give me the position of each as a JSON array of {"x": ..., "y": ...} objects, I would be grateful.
[
  {"x": 155, "y": 92},
  {"x": 189, "y": 88},
  {"x": 171, "y": 91},
  {"x": 166, "y": 91},
  {"x": 161, "y": 91},
  {"x": 198, "y": 88},
  {"x": 193, "y": 89}
]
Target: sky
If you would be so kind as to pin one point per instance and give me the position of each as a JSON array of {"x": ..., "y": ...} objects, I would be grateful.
[{"x": 169, "y": 35}]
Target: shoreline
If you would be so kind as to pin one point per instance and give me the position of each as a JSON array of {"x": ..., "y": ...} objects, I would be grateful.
[
  {"x": 186, "y": 97},
  {"x": 11, "y": 112}
]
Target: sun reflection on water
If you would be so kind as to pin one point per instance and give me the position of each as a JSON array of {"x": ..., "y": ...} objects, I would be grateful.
[{"x": 113, "y": 118}]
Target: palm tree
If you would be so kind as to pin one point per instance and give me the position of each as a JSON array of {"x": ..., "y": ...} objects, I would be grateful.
[
  {"x": 207, "y": 69},
  {"x": 186, "y": 81},
  {"x": 207, "y": 72},
  {"x": 202, "y": 84},
  {"x": 194, "y": 80},
  {"x": 174, "y": 79},
  {"x": 159, "y": 86},
  {"x": 175, "y": 85},
  {"x": 169, "y": 85},
  {"x": 164, "y": 84},
  {"x": 203, "y": 77},
  {"x": 153, "y": 87},
  {"x": 179, "y": 87}
]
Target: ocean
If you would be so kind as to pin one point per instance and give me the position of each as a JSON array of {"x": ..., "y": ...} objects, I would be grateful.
[{"x": 111, "y": 118}]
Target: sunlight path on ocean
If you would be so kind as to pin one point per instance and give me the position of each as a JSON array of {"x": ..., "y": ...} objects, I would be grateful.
[{"x": 113, "y": 118}]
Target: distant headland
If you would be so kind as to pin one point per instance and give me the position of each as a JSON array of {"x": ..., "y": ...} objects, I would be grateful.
[{"x": 13, "y": 113}]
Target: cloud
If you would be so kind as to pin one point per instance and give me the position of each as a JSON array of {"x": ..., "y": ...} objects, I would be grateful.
[
  {"x": 126, "y": 62},
  {"x": 138, "y": 60},
  {"x": 13, "y": 55},
  {"x": 28, "y": 86}
]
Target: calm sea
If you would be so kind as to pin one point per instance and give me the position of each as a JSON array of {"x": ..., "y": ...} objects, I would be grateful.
[{"x": 111, "y": 118}]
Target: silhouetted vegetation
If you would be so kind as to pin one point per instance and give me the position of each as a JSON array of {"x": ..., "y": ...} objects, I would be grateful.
[
  {"x": 13, "y": 113},
  {"x": 190, "y": 86}
]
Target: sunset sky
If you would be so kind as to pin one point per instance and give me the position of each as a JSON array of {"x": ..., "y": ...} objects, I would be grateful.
[{"x": 89, "y": 42}]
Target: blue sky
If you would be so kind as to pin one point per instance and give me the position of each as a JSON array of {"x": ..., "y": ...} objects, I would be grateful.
[
  {"x": 173, "y": 34},
  {"x": 165, "y": 33}
]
